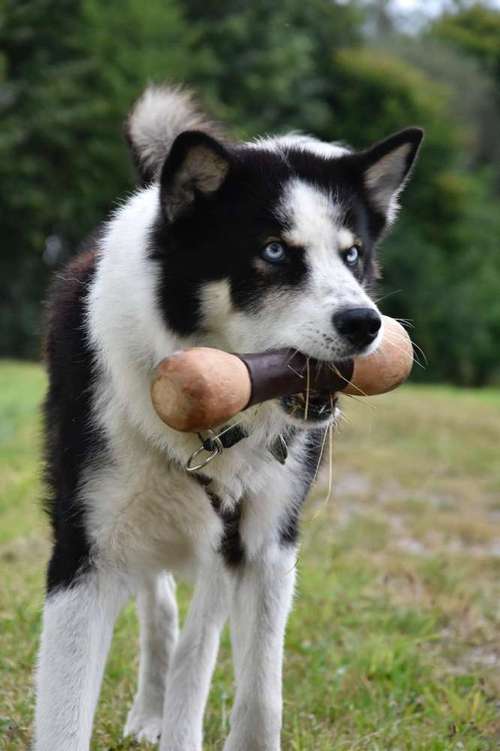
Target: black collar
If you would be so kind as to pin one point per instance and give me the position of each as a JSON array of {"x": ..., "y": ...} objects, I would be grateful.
[
  {"x": 233, "y": 434},
  {"x": 229, "y": 436}
]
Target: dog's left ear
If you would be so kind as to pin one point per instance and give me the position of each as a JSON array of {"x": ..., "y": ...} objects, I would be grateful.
[
  {"x": 195, "y": 168},
  {"x": 386, "y": 168}
]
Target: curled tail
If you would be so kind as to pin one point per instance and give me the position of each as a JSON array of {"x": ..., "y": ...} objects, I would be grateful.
[{"x": 160, "y": 114}]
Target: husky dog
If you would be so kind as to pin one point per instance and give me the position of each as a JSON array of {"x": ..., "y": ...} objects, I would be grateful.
[{"x": 241, "y": 246}]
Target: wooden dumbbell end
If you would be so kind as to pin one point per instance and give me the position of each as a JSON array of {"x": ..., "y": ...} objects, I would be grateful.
[
  {"x": 199, "y": 388},
  {"x": 388, "y": 367}
]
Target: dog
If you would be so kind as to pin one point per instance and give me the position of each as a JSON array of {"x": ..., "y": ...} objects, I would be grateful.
[{"x": 240, "y": 246}]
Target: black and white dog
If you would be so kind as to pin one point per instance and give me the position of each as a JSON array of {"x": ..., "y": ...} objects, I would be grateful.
[{"x": 241, "y": 246}]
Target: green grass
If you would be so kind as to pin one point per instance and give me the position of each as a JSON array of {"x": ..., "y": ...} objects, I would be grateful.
[{"x": 394, "y": 642}]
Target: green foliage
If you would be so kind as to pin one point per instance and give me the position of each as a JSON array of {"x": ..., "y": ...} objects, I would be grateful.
[
  {"x": 453, "y": 297},
  {"x": 271, "y": 62},
  {"x": 475, "y": 30},
  {"x": 70, "y": 69},
  {"x": 70, "y": 73}
]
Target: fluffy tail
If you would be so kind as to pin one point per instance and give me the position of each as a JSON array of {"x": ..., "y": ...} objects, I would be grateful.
[{"x": 156, "y": 119}]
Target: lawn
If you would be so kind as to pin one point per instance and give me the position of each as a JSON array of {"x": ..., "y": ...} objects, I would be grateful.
[{"x": 394, "y": 643}]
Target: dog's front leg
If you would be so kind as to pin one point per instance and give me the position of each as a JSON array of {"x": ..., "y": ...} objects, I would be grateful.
[
  {"x": 77, "y": 629},
  {"x": 189, "y": 675},
  {"x": 259, "y": 610}
]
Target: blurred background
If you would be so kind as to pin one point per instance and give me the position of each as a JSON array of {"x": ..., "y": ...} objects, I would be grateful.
[
  {"x": 351, "y": 71},
  {"x": 394, "y": 642}
]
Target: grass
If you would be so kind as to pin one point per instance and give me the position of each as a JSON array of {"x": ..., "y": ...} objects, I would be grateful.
[{"x": 394, "y": 643}]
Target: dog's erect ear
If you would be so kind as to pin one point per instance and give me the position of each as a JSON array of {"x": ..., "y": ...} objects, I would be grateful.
[
  {"x": 196, "y": 167},
  {"x": 386, "y": 167}
]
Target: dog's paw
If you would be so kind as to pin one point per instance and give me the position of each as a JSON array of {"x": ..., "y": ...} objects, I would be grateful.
[{"x": 143, "y": 724}]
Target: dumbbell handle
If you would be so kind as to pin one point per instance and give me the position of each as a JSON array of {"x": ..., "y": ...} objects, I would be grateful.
[{"x": 282, "y": 373}]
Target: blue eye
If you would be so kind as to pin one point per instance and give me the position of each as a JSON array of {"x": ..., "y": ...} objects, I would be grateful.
[
  {"x": 351, "y": 256},
  {"x": 274, "y": 252}
]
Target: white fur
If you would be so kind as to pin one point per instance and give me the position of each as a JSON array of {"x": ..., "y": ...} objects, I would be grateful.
[
  {"x": 157, "y": 610},
  {"x": 305, "y": 142},
  {"x": 260, "y": 606},
  {"x": 194, "y": 661},
  {"x": 77, "y": 629}
]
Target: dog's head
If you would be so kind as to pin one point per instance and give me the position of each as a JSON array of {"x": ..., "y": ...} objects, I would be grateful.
[{"x": 272, "y": 243}]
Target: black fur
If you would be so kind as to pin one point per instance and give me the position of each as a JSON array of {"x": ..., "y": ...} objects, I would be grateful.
[
  {"x": 71, "y": 441},
  {"x": 231, "y": 545},
  {"x": 289, "y": 530}
]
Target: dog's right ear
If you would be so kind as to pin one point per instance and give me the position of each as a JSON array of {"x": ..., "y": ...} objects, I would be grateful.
[{"x": 195, "y": 168}]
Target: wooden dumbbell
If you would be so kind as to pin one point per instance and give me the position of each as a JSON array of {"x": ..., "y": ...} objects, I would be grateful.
[{"x": 200, "y": 388}]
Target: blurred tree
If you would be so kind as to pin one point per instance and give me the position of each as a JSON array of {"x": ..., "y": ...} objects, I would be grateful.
[
  {"x": 449, "y": 291},
  {"x": 70, "y": 70},
  {"x": 474, "y": 29},
  {"x": 34, "y": 44},
  {"x": 397, "y": 95},
  {"x": 380, "y": 15},
  {"x": 445, "y": 269},
  {"x": 472, "y": 93},
  {"x": 271, "y": 63}
]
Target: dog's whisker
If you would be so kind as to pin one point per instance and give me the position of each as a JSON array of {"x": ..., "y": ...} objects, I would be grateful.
[
  {"x": 421, "y": 351},
  {"x": 396, "y": 337},
  {"x": 405, "y": 322},
  {"x": 388, "y": 294},
  {"x": 394, "y": 343}
]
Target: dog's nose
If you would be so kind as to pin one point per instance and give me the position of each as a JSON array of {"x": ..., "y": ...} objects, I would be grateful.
[{"x": 360, "y": 326}]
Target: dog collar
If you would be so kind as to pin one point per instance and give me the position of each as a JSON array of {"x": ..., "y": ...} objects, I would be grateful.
[{"x": 228, "y": 437}]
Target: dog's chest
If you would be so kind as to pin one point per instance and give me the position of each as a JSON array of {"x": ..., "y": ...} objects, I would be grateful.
[{"x": 148, "y": 511}]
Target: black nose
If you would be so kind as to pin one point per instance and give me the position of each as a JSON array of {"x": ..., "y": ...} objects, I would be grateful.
[{"x": 359, "y": 325}]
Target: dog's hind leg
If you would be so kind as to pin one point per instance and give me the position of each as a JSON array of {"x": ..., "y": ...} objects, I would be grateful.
[
  {"x": 157, "y": 608},
  {"x": 78, "y": 625}
]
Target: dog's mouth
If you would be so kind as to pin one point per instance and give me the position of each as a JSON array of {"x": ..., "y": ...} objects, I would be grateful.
[
  {"x": 312, "y": 407},
  {"x": 317, "y": 403}
]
